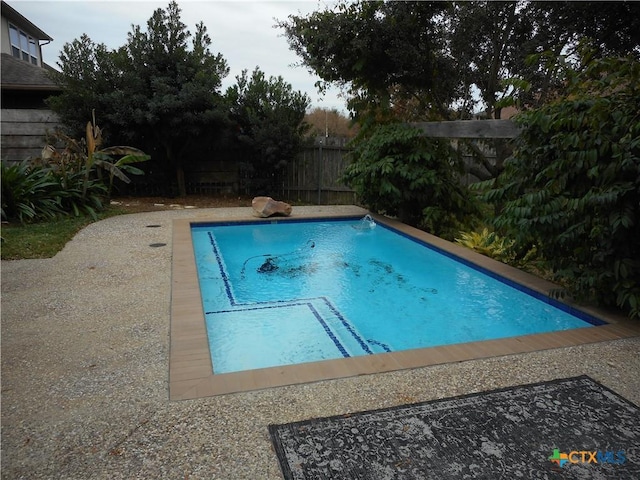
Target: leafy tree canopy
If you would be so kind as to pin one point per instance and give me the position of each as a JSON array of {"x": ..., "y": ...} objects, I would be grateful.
[
  {"x": 171, "y": 93},
  {"x": 372, "y": 47},
  {"x": 612, "y": 28},
  {"x": 437, "y": 54},
  {"x": 417, "y": 61},
  {"x": 161, "y": 92},
  {"x": 86, "y": 71}
]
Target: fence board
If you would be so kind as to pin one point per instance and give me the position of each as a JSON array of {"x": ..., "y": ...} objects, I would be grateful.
[
  {"x": 28, "y": 115},
  {"x": 27, "y": 129},
  {"x": 469, "y": 129}
]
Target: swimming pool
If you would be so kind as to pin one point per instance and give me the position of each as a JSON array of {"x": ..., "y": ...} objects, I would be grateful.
[
  {"x": 287, "y": 292},
  {"x": 190, "y": 367}
]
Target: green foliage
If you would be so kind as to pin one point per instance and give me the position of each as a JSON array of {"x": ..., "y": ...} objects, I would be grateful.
[
  {"x": 488, "y": 243},
  {"x": 171, "y": 90},
  {"x": 88, "y": 79},
  {"x": 160, "y": 91},
  {"x": 85, "y": 160},
  {"x": 65, "y": 179},
  {"x": 612, "y": 31},
  {"x": 33, "y": 192},
  {"x": 116, "y": 167},
  {"x": 270, "y": 118},
  {"x": 572, "y": 186},
  {"x": 372, "y": 47},
  {"x": 418, "y": 61},
  {"x": 398, "y": 171},
  {"x": 28, "y": 192},
  {"x": 104, "y": 158},
  {"x": 446, "y": 59}
]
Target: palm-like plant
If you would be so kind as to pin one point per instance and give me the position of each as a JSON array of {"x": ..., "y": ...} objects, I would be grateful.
[
  {"x": 104, "y": 158},
  {"x": 28, "y": 192},
  {"x": 90, "y": 155}
]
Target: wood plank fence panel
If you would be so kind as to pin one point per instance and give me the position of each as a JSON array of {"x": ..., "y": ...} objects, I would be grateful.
[
  {"x": 311, "y": 178},
  {"x": 23, "y": 132},
  {"x": 314, "y": 177},
  {"x": 469, "y": 129}
]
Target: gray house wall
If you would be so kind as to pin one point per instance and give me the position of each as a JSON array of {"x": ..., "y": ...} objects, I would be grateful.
[{"x": 24, "y": 116}]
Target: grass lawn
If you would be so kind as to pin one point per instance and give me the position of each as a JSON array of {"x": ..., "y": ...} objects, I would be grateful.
[{"x": 44, "y": 239}]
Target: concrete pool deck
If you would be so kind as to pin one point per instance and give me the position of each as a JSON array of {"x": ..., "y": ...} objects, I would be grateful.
[{"x": 86, "y": 348}]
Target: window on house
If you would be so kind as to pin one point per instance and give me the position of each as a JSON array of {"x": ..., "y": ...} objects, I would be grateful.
[
  {"x": 23, "y": 46},
  {"x": 33, "y": 51}
]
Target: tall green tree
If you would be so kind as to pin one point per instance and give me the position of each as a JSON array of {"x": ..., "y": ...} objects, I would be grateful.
[
  {"x": 171, "y": 93},
  {"x": 87, "y": 74},
  {"x": 379, "y": 51},
  {"x": 556, "y": 33},
  {"x": 508, "y": 51},
  {"x": 160, "y": 91},
  {"x": 572, "y": 187},
  {"x": 447, "y": 60},
  {"x": 613, "y": 29},
  {"x": 269, "y": 118},
  {"x": 488, "y": 43}
]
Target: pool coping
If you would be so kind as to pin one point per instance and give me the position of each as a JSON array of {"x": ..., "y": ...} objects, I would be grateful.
[{"x": 191, "y": 373}]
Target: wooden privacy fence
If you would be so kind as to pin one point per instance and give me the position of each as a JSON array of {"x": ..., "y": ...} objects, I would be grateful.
[
  {"x": 313, "y": 177},
  {"x": 471, "y": 131},
  {"x": 24, "y": 132}
]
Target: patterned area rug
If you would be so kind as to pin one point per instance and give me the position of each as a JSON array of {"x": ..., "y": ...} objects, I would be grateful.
[{"x": 572, "y": 428}]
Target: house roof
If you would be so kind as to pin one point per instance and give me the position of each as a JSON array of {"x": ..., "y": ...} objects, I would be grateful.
[
  {"x": 19, "y": 75},
  {"x": 12, "y": 15}
]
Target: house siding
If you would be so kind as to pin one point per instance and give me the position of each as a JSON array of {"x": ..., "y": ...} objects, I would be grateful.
[
  {"x": 24, "y": 133},
  {"x": 25, "y": 119}
]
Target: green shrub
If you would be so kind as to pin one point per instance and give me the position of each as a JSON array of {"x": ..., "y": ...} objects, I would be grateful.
[
  {"x": 28, "y": 192},
  {"x": 488, "y": 243},
  {"x": 34, "y": 191},
  {"x": 67, "y": 179},
  {"x": 398, "y": 171},
  {"x": 79, "y": 195},
  {"x": 572, "y": 186}
]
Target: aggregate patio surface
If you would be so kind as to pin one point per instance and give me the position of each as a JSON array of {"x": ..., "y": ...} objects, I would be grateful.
[{"x": 85, "y": 348}]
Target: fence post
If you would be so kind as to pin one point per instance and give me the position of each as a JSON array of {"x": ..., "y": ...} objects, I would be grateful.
[{"x": 320, "y": 161}]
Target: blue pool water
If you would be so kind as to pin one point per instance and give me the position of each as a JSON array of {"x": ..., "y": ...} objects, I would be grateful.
[{"x": 292, "y": 292}]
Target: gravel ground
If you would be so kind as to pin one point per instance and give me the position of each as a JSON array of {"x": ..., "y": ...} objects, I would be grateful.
[{"x": 85, "y": 344}]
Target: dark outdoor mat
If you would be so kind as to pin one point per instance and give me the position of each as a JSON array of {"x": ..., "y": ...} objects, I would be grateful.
[{"x": 547, "y": 430}]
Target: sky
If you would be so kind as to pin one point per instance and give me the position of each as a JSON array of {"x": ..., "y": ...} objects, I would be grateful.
[{"x": 241, "y": 30}]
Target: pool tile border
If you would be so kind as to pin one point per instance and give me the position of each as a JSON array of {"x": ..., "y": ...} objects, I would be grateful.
[{"x": 190, "y": 369}]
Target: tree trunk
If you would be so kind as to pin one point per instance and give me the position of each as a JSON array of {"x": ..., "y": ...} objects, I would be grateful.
[{"x": 182, "y": 188}]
